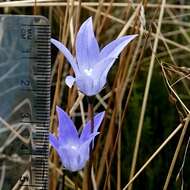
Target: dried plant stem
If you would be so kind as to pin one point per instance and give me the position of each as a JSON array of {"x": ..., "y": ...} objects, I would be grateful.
[
  {"x": 173, "y": 60},
  {"x": 182, "y": 30},
  {"x": 103, "y": 21},
  {"x": 78, "y": 14},
  {"x": 35, "y": 8},
  {"x": 170, "y": 52},
  {"x": 85, "y": 178},
  {"x": 176, "y": 95},
  {"x": 118, "y": 136},
  {"x": 77, "y": 103},
  {"x": 132, "y": 66},
  {"x": 20, "y": 184},
  {"x": 93, "y": 179},
  {"x": 154, "y": 155},
  {"x": 3, "y": 174},
  {"x": 176, "y": 153},
  {"x": 180, "y": 173},
  {"x": 141, "y": 120},
  {"x": 173, "y": 43},
  {"x": 105, "y": 14},
  {"x": 119, "y": 160},
  {"x": 98, "y": 13},
  {"x": 129, "y": 22},
  {"x": 16, "y": 133},
  {"x": 52, "y": 3},
  {"x": 105, "y": 149}
]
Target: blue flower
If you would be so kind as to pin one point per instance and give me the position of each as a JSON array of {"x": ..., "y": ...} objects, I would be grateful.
[
  {"x": 74, "y": 150},
  {"x": 91, "y": 65}
]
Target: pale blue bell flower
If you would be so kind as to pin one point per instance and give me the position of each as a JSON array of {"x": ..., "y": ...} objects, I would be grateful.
[
  {"x": 91, "y": 65},
  {"x": 74, "y": 150}
]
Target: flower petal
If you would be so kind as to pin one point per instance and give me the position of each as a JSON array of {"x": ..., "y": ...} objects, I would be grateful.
[
  {"x": 114, "y": 48},
  {"x": 67, "y": 130},
  {"x": 69, "y": 159},
  {"x": 53, "y": 141},
  {"x": 69, "y": 81},
  {"x": 85, "y": 146},
  {"x": 87, "y": 142},
  {"x": 103, "y": 77},
  {"x": 66, "y": 53},
  {"x": 86, "y": 132},
  {"x": 87, "y": 49},
  {"x": 100, "y": 72},
  {"x": 87, "y": 85},
  {"x": 74, "y": 159},
  {"x": 102, "y": 66}
]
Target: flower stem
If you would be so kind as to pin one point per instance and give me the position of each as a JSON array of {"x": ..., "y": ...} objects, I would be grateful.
[
  {"x": 91, "y": 112},
  {"x": 75, "y": 180},
  {"x": 63, "y": 180},
  {"x": 87, "y": 179},
  {"x": 76, "y": 185}
]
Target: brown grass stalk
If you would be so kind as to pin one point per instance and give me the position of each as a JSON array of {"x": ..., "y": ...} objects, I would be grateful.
[
  {"x": 145, "y": 98},
  {"x": 154, "y": 155},
  {"x": 176, "y": 153}
]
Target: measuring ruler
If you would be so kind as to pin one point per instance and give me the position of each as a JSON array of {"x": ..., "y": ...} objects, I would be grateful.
[{"x": 24, "y": 102}]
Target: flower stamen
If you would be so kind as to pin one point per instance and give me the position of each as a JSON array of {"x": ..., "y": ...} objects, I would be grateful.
[{"x": 88, "y": 72}]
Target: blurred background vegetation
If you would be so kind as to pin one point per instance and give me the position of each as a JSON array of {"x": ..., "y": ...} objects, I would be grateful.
[{"x": 162, "y": 52}]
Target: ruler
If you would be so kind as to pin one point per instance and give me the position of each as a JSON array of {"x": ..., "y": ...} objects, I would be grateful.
[{"x": 24, "y": 102}]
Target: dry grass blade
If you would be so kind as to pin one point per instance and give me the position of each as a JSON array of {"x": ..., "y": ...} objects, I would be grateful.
[
  {"x": 154, "y": 155},
  {"x": 176, "y": 153},
  {"x": 121, "y": 75},
  {"x": 180, "y": 173},
  {"x": 54, "y": 3},
  {"x": 173, "y": 91},
  {"x": 151, "y": 67},
  {"x": 16, "y": 133}
]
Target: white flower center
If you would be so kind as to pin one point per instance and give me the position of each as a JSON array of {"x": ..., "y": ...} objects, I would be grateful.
[
  {"x": 88, "y": 72},
  {"x": 73, "y": 147}
]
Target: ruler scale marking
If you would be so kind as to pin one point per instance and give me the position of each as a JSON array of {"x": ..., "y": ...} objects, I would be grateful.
[{"x": 27, "y": 39}]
